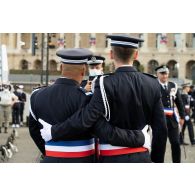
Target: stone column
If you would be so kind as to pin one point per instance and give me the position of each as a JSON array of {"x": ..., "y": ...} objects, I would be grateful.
[
  {"x": 77, "y": 40},
  {"x": 18, "y": 41},
  {"x": 144, "y": 48},
  {"x": 61, "y": 35},
  {"x": 11, "y": 41},
  {"x": 183, "y": 41},
  {"x": 70, "y": 40}
]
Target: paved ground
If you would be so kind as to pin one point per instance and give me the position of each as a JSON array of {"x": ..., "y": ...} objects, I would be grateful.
[{"x": 28, "y": 153}]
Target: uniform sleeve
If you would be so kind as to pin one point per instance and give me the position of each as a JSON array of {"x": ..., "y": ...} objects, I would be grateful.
[
  {"x": 35, "y": 134},
  {"x": 184, "y": 101},
  {"x": 83, "y": 83},
  {"x": 83, "y": 119},
  {"x": 34, "y": 130},
  {"x": 159, "y": 131},
  {"x": 117, "y": 136},
  {"x": 24, "y": 97},
  {"x": 179, "y": 104}
]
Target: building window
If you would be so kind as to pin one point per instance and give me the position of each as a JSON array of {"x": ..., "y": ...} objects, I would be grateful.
[
  {"x": 92, "y": 39},
  {"x": 177, "y": 40},
  {"x": 161, "y": 38},
  {"x": 173, "y": 68},
  {"x": 52, "y": 40},
  {"x": 190, "y": 70},
  {"x": 52, "y": 65},
  {"x": 24, "y": 64},
  {"x": 193, "y": 40},
  {"x": 152, "y": 64},
  {"x": 37, "y": 64}
]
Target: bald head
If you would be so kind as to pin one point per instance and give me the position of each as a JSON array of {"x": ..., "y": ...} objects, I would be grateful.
[{"x": 75, "y": 72}]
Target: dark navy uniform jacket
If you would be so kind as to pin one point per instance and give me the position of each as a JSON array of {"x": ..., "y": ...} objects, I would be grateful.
[
  {"x": 56, "y": 103},
  {"x": 166, "y": 99},
  {"x": 134, "y": 99},
  {"x": 187, "y": 101}
]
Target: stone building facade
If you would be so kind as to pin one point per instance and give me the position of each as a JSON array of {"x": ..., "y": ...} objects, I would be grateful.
[{"x": 177, "y": 50}]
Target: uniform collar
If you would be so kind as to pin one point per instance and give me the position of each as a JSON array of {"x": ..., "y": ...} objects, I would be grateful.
[
  {"x": 126, "y": 69},
  {"x": 64, "y": 80},
  {"x": 163, "y": 84}
]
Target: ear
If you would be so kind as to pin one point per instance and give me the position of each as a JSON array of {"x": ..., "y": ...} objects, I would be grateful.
[
  {"x": 111, "y": 54},
  {"x": 83, "y": 71},
  {"x": 60, "y": 67},
  {"x": 136, "y": 55}
]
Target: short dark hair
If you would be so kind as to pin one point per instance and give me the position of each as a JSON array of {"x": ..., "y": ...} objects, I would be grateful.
[{"x": 123, "y": 54}]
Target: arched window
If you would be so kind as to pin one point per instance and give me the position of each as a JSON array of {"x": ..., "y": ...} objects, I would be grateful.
[
  {"x": 190, "y": 70},
  {"x": 37, "y": 64},
  {"x": 52, "y": 65},
  {"x": 173, "y": 68},
  {"x": 152, "y": 64},
  {"x": 24, "y": 64},
  {"x": 138, "y": 66}
]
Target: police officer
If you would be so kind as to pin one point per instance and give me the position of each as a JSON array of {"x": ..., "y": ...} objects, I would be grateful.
[
  {"x": 192, "y": 94},
  {"x": 187, "y": 102},
  {"x": 171, "y": 99},
  {"x": 59, "y": 101},
  {"x": 128, "y": 99},
  {"x": 95, "y": 69}
]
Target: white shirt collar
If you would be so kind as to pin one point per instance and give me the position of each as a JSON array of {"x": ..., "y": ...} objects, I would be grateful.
[
  {"x": 125, "y": 65},
  {"x": 163, "y": 84}
]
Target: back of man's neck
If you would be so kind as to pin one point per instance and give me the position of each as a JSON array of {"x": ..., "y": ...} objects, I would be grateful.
[
  {"x": 71, "y": 77},
  {"x": 118, "y": 65}
]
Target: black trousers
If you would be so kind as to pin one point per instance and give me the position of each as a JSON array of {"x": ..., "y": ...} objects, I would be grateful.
[
  {"x": 21, "y": 111},
  {"x": 190, "y": 131},
  {"x": 173, "y": 135},
  {"x": 140, "y": 157},
  {"x": 16, "y": 113},
  {"x": 88, "y": 159}
]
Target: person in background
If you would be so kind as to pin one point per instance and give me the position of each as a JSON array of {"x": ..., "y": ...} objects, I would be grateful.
[
  {"x": 171, "y": 99},
  {"x": 96, "y": 64},
  {"x": 7, "y": 99},
  {"x": 22, "y": 99},
  {"x": 16, "y": 109},
  {"x": 192, "y": 94},
  {"x": 188, "y": 101}
]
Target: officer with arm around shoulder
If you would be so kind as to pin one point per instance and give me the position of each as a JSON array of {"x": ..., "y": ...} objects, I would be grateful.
[
  {"x": 129, "y": 100},
  {"x": 59, "y": 101}
]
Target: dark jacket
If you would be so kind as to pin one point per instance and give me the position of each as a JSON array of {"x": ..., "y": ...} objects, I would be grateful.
[
  {"x": 58, "y": 102},
  {"x": 134, "y": 100}
]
